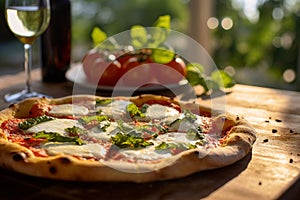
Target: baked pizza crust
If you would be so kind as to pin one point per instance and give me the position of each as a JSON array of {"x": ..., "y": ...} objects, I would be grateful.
[{"x": 238, "y": 144}]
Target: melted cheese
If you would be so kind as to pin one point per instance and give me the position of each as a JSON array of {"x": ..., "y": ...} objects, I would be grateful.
[
  {"x": 87, "y": 151},
  {"x": 56, "y": 125},
  {"x": 104, "y": 135},
  {"x": 161, "y": 112},
  {"x": 116, "y": 109},
  {"x": 68, "y": 110},
  {"x": 147, "y": 153}
]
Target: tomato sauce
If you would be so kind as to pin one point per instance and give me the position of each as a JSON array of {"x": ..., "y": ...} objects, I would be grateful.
[{"x": 39, "y": 110}]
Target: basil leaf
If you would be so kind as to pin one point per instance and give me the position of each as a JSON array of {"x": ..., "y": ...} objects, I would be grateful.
[
  {"x": 196, "y": 66},
  {"x": 134, "y": 111},
  {"x": 129, "y": 141},
  {"x": 160, "y": 32},
  {"x": 56, "y": 137},
  {"x": 139, "y": 36},
  {"x": 189, "y": 116},
  {"x": 104, "y": 125},
  {"x": 101, "y": 41},
  {"x": 28, "y": 123},
  {"x": 127, "y": 129},
  {"x": 162, "y": 54},
  {"x": 195, "y": 73},
  {"x": 144, "y": 108},
  {"x": 163, "y": 21},
  {"x": 75, "y": 130},
  {"x": 103, "y": 102},
  {"x": 85, "y": 120},
  {"x": 194, "y": 134},
  {"x": 222, "y": 78},
  {"x": 98, "y": 36},
  {"x": 174, "y": 147}
]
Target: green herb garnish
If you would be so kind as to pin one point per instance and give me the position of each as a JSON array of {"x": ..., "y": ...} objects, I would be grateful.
[
  {"x": 104, "y": 125},
  {"x": 129, "y": 141},
  {"x": 124, "y": 127},
  {"x": 85, "y": 120},
  {"x": 34, "y": 121},
  {"x": 56, "y": 137},
  {"x": 189, "y": 116},
  {"x": 103, "y": 102},
  {"x": 194, "y": 134},
  {"x": 134, "y": 111},
  {"x": 144, "y": 108},
  {"x": 75, "y": 130},
  {"x": 149, "y": 131},
  {"x": 174, "y": 147}
]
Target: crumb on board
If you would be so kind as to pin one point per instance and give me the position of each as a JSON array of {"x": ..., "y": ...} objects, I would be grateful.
[
  {"x": 266, "y": 140},
  {"x": 274, "y": 130}
]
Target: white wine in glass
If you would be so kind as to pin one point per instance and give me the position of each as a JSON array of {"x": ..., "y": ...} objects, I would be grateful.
[{"x": 27, "y": 19}]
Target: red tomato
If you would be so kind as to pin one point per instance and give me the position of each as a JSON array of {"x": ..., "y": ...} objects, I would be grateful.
[
  {"x": 171, "y": 72},
  {"x": 137, "y": 73},
  {"x": 100, "y": 71},
  {"x": 88, "y": 62}
]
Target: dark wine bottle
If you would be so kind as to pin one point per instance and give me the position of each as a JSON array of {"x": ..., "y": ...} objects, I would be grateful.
[{"x": 56, "y": 42}]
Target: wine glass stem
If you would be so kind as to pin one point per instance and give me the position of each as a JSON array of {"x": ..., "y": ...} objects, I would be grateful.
[{"x": 27, "y": 66}]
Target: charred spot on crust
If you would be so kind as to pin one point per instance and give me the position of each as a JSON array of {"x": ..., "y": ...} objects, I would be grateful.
[
  {"x": 197, "y": 154},
  {"x": 52, "y": 170},
  {"x": 18, "y": 156},
  {"x": 65, "y": 160},
  {"x": 11, "y": 105}
]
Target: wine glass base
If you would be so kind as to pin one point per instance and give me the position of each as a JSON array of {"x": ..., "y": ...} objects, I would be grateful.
[{"x": 24, "y": 94}]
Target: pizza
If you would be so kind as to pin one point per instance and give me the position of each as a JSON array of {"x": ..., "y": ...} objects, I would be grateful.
[{"x": 137, "y": 139}]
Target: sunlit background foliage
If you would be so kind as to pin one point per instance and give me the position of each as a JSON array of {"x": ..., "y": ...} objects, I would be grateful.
[{"x": 256, "y": 41}]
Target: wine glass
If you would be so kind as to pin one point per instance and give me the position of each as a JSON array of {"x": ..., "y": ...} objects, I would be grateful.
[{"x": 27, "y": 19}]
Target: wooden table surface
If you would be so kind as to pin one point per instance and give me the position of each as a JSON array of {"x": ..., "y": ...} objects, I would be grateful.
[{"x": 270, "y": 171}]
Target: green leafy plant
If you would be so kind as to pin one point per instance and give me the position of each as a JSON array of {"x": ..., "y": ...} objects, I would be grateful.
[
  {"x": 218, "y": 79},
  {"x": 152, "y": 43}
]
